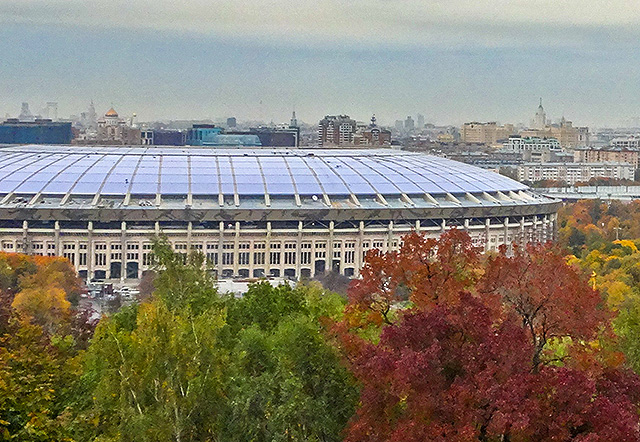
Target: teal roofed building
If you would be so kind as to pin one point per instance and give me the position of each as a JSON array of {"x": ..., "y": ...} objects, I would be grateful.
[{"x": 211, "y": 135}]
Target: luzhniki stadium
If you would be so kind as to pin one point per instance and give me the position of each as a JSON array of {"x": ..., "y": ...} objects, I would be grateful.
[{"x": 253, "y": 212}]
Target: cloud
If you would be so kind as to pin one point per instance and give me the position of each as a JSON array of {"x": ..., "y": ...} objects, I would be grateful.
[{"x": 353, "y": 23}]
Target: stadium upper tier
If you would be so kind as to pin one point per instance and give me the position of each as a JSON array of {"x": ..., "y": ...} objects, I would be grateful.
[{"x": 173, "y": 178}]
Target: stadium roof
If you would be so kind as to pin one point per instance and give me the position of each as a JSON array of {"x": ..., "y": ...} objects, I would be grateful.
[{"x": 56, "y": 170}]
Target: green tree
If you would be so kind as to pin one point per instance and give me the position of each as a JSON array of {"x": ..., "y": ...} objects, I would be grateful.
[
  {"x": 288, "y": 382},
  {"x": 161, "y": 381},
  {"x": 183, "y": 282},
  {"x": 156, "y": 372}
]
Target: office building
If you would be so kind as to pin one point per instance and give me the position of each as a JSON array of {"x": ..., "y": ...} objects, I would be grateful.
[
  {"x": 336, "y": 130},
  {"x": 485, "y": 133},
  {"x": 572, "y": 173},
  {"x": 38, "y": 131},
  {"x": 608, "y": 154},
  {"x": 533, "y": 149},
  {"x": 409, "y": 124},
  {"x": 163, "y": 137}
]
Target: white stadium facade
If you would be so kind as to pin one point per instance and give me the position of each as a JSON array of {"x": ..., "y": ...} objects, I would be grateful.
[{"x": 252, "y": 212}]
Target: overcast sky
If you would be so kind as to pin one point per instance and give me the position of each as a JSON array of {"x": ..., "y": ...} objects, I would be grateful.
[{"x": 451, "y": 60}]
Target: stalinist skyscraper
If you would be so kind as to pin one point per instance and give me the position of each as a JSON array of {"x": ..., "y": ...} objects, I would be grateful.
[{"x": 540, "y": 119}]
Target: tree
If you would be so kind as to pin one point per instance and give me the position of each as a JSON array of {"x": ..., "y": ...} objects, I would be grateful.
[
  {"x": 41, "y": 342},
  {"x": 183, "y": 282},
  {"x": 503, "y": 348},
  {"x": 157, "y": 372},
  {"x": 426, "y": 271},
  {"x": 161, "y": 381},
  {"x": 44, "y": 306},
  {"x": 37, "y": 375},
  {"x": 552, "y": 299},
  {"x": 453, "y": 374},
  {"x": 288, "y": 379}
]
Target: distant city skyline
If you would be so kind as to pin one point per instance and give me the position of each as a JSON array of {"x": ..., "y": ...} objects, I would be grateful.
[{"x": 452, "y": 62}]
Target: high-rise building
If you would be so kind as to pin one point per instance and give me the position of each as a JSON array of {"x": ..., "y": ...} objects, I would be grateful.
[
  {"x": 399, "y": 125},
  {"x": 409, "y": 124},
  {"x": 92, "y": 117},
  {"x": 51, "y": 111},
  {"x": 231, "y": 122},
  {"x": 294, "y": 120},
  {"x": 572, "y": 173},
  {"x": 615, "y": 154},
  {"x": 540, "y": 119},
  {"x": 420, "y": 121},
  {"x": 336, "y": 130},
  {"x": 25, "y": 113}
]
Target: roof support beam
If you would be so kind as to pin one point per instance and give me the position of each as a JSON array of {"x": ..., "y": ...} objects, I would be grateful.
[
  {"x": 472, "y": 198},
  {"x": 490, "y": 197},
  {"x": 453, "y": 199},
  {"x": 430, "y": 199}
]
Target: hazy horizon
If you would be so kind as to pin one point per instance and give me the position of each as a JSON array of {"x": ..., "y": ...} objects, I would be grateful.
[{"x": 451, "y": 61}]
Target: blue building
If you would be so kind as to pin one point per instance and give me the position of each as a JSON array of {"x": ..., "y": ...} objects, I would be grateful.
[
  {"x": 163, "y": 137},
  {"x": 14, "y": 131},
  {"x": 211, "y": 135}
]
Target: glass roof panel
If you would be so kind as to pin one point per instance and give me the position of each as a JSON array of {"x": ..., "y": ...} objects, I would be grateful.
[
  {"x": 175, "y": 175},
  {"x": 83, "y": 169}
]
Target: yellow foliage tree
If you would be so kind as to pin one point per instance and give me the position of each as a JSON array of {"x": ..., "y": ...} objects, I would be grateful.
[{"x": 45, "y": 306}]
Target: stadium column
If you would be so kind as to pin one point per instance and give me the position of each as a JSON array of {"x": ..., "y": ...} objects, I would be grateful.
[
  {"x": 89, "y": 250},
  {"x": 359, "y": 249},
  {"x": 267, "y": 258},
  {"x": 299, "y": 250},
  {"x": 26, "y": 248},
  {"x": 390, "y": 237},
  {"x": 56, "y": 237},
  {"x": 236, "y": 248},
  {"x": 545, "y": 229},
  {"x": 220, "y": 243},
  {"x": 189, "y": 228},
  {"x": 487, "y": 234},
  {"x": 329, "y": 257},
  {"x": 522, "y": 234},
  {"x": 123, "y": 246},
  {"x": 506, "y": 231}
]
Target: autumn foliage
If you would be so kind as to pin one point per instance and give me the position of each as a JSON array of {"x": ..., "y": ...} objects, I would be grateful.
[
  {"x": 496, "y": 348},
  {"x": 425, "y": 271},
  {"x": 41, "y": 339},
  {"x": 437, "y": 342}
]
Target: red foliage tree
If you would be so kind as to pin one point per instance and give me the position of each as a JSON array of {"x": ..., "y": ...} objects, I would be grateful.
[
  {"x": 453, "y": 374},
  {"x": 427, "y": 270},
  {"x": 552, "y": 299},
  {"x": 466, "y": 362}
]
